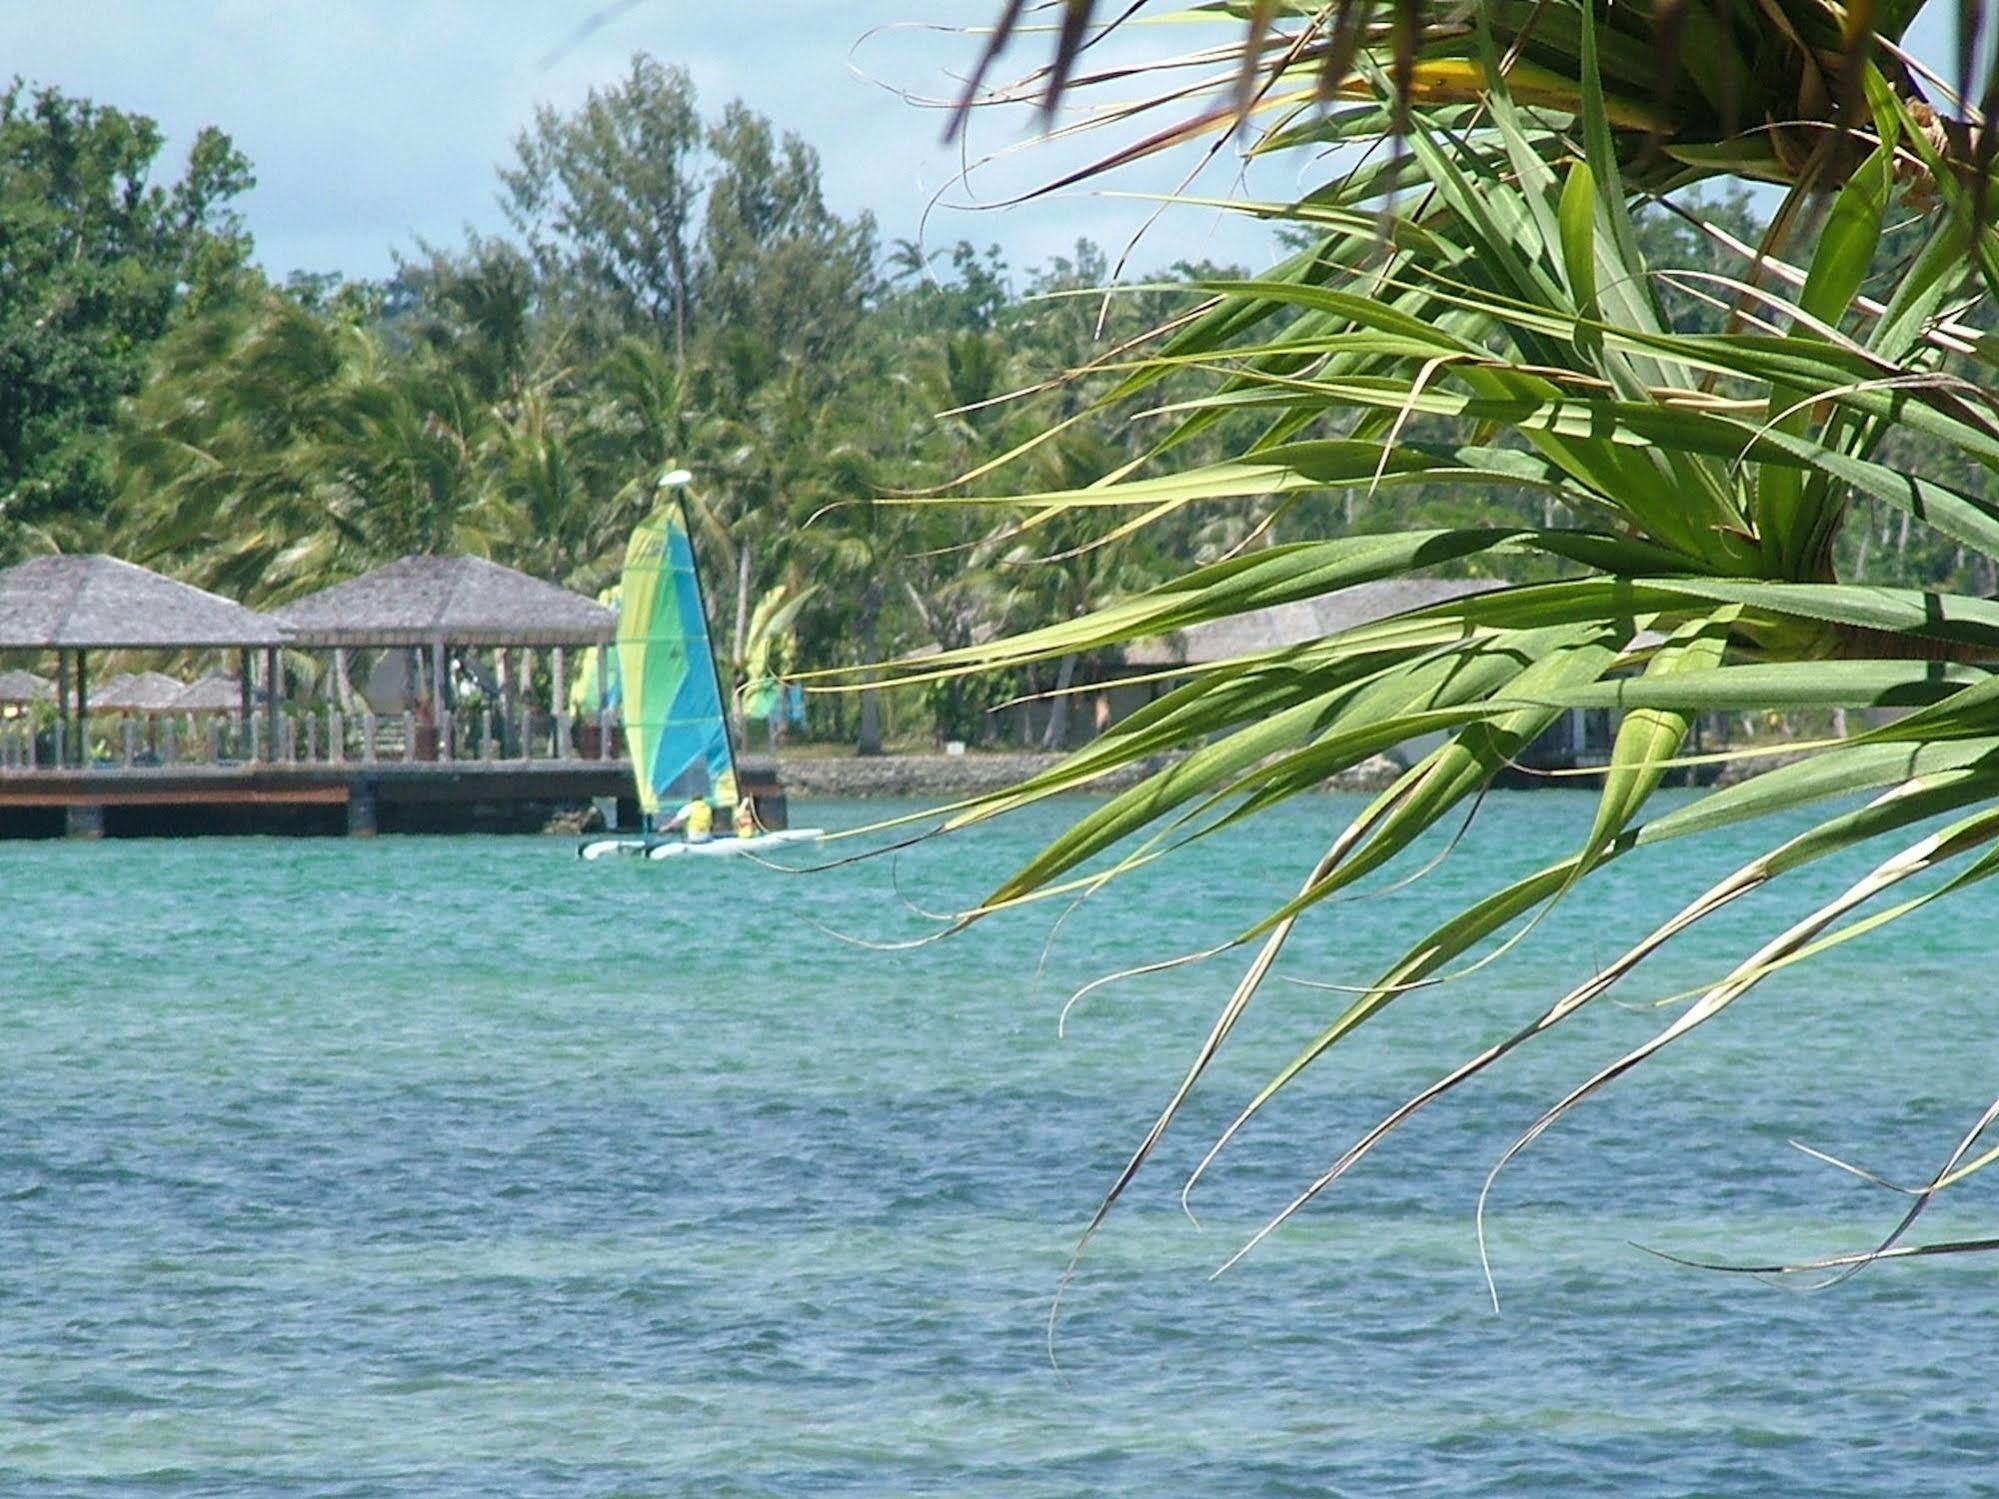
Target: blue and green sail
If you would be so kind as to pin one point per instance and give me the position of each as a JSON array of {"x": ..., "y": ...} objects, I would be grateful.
[{"x": 674, "y": 724}]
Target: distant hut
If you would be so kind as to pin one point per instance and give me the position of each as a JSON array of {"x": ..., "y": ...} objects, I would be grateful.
[
  {"x": 23, "y": 689},
  {"x": 73, "y": 605},
  {"x": 1113, "y": 687},
  {"x": 448, "y": 608},
  {"x": 1300, "y": 622},
  {"x": 20, "y": 692},
  {"x": 149, "y": 695},
  {"x": 147, "y": 692},
  {"x": 214, "y": 693},
  {"x": 1576, "y": 737}
]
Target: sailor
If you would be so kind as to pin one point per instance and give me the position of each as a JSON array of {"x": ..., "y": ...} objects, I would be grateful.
[
  {"x": 695, "y": 821},
  {"x": 746, "y": 818}
]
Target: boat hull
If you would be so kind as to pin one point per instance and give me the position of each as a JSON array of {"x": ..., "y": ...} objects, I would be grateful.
[{"x": 636, "y": 847}]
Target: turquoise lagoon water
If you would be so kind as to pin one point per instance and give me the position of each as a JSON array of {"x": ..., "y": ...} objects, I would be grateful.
[{"x": 458, "y": 1167}]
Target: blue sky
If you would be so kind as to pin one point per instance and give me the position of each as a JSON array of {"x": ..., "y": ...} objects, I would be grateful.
[{"x": 375, "y": 122}]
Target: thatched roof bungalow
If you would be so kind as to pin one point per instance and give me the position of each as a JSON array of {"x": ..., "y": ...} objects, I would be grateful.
[
  {"x": 449, "y": 608},
  {"x": 72, "y": 605},
  {"x": 214, "y": 693},
  {"x": 17, "y": 687},
  {"x": 1298, "y": 623},
  {"x": 91, "y": 603},
  {"x": 148, "y": 692},
  {"x": 465, "y": 601}
]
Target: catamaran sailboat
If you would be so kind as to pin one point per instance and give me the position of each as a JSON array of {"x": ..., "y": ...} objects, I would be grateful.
[{"x": 675, "y": 728}]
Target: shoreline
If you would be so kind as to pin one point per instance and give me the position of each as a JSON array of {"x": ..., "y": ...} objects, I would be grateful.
[{"x": 844, "y": 777}]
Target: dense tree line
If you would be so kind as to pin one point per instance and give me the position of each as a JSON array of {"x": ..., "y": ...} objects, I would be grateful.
[{"x": 672, "y": 290}]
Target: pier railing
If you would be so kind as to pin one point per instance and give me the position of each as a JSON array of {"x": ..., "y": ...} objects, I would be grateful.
[{"x": 310, "y": 736}]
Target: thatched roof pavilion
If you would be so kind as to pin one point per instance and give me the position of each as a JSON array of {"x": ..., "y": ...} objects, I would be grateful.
[
  {"x": 89, "y": 603},
  {"x": 141, "y": 692},
  {"x": 446, "y": 608},
  {"x": 469, "y": 601},
  {"x": 1297, "y": 623},
  {"x": 25, "y": 687},
  {"x": 73, "y": 605}
]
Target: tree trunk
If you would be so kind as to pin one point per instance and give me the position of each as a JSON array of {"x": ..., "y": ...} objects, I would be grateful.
[
  {"x": 682, "y": 281},
  {"x": 514, "y": 697},
  {"x": 343, "y": 690},
  {"x": 1057, "y": 732},
  {"x": 740, "y": 651},
  {"x": 871, "y": 712},
  {"x": 870, "y": 741}
]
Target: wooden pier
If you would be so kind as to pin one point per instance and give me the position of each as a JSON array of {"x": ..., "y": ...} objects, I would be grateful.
[{"x": 354, "y": 799}]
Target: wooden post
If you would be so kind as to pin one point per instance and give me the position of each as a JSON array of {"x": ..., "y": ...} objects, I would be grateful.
[
  {"x": 510, "y": 696},
  {"x": 336, "y": 738},
  {"x": 245, "y": 703},
  {"x": 502, "y": 669},
  {"x": 368, "y": 735},
  {"x": 361, "y": 809},
  {"x": 82, "y": 711},
  {"x": 271, "y": 691},
  {"x": 530, "y": 734},
  {"x": 409, "y": 735},
  {"x": 603, "y": 707},
  {"x": 62, "y": 707},
  {"x": 530, "y": 742},
  {"x": 558, "y": 701},
  {"x": 440, "y": 702},
  {"x": 131, "y": 745}
]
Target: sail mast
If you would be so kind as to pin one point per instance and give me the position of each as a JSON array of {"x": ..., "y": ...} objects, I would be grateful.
[
  {"x": 673, "y": 704},
  {"x": 701, "y": 603}
]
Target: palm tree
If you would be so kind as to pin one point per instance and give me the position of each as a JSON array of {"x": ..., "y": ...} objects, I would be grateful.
[
  {"x": 1473, "y": 310},
  {"x": 410, "y": 442},
  {"x": 1778, "y": 90},
  {"x": 224, "y": 464},
  {"x": 539, "y": 457}
]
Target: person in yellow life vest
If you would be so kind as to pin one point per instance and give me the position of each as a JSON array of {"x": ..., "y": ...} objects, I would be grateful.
[
  {"x": 695, "y": 821},
  {"x": 746, "y": 818}
]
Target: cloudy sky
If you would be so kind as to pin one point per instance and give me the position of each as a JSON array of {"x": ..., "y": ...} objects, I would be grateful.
[{"x": 372, "y": 123}]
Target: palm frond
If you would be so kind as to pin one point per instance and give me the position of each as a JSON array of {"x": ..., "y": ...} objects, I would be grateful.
[{"x": 1501, "y": 329}]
